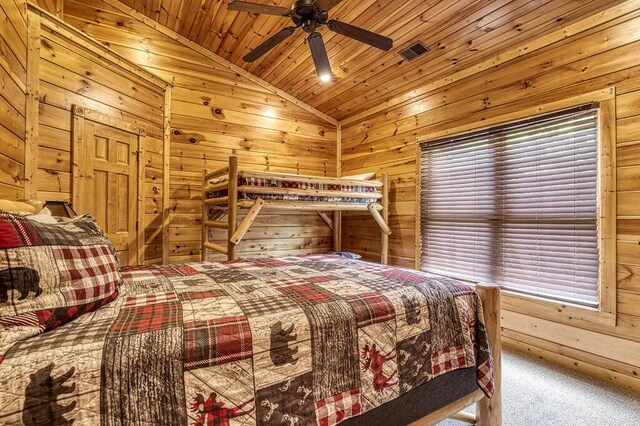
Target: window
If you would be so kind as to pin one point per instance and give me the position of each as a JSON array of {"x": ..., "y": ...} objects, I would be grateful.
[{"x": 516, "y": 205}]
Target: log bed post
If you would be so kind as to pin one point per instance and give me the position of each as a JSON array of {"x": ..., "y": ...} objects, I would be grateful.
[
  {"x": 232, "y": 207},
  {"x": 384, "y": 257},
  {"x": 337, "y": 231},
  {"x": 489, "y": 411}
]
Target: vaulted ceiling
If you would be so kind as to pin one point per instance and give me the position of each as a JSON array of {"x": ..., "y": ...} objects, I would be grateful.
[{"x": 459, "y": 33}]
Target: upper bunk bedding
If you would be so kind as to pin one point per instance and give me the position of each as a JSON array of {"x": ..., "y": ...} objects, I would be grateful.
[
  {"x": 285, "y": 187},
  {"x": 294, "y": 340}
]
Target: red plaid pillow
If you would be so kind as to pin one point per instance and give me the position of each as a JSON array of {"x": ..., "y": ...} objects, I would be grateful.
[{"x": 51, "y": 274}]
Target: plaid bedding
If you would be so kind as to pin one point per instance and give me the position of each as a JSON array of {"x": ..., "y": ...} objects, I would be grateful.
[
  {"x": 51, "y": 273},
  {"x": 277, "y": 183},
  {"x": 310, "y": 340}
]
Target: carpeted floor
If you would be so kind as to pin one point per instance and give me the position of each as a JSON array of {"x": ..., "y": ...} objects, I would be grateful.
[{"x": 536, "y": 393}]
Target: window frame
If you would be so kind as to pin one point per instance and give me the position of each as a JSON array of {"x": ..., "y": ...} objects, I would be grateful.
[{"x": 605, "y": 312}]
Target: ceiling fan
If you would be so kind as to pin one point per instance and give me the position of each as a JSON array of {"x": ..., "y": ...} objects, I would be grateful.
[{"x": 310, "y": 15}]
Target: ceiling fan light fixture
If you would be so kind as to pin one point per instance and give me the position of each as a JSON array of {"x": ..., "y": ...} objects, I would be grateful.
[{"x": 325, "y": 77}]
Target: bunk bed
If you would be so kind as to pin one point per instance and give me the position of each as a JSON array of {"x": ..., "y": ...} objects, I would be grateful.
[{"x": 227, "y": 190}]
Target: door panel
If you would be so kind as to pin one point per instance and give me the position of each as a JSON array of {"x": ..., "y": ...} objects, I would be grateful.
[{"x": 105, "y": 161}]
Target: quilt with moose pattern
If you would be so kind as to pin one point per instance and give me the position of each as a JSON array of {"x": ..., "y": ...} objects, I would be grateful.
[{"x": 309, "y": 340}]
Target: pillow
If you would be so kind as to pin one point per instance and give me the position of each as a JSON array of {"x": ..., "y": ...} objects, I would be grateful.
[
  {"x": 17, "y": 207},
  {"x": 51, "y": 273},
  {"x": 345, "y": 254},
  {"x": 44, "y": 216}
]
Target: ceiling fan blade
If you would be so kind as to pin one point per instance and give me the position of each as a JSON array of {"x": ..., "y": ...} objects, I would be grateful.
[
  {"x": 326, "y": 4},
  {"x": 320, "y": 58},
  {"x": 372, "y": 39},
  {"x": 269, "y": 44},
  {"x": 265, "y": 9}
]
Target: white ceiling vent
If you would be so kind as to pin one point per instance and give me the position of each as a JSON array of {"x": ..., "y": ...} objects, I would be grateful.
[{"x": 415, "y": 50}]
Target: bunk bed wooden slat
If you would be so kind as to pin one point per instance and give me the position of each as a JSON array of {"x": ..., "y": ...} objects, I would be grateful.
[
  {"x": 216, "y": 201},
  {"x": 247, "y": 221},
  {"x": 216, "y": 187},
  {"x": 379, "y": 219},
  {"x": 216, "y": 224},
  {"x": 327, "y": 219},
  {"x": 216, "y": 247}
]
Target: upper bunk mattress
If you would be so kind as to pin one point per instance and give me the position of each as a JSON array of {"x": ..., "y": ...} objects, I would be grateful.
[
  {"x": 294, "y": 340},
  {"x": 254, "y": 187}
]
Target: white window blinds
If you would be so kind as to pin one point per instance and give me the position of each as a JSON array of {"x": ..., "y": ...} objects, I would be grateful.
[{"x": 516, "y": 206}]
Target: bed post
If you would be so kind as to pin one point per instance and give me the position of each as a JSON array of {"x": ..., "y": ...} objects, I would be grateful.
[
  {"x": 205, "y": 218},
  {"x": 489, "y": 411},
  {"x": 337, "y": 231},
  {"x": 384, "y": 257},
  {"x": 232, "y": 207}
]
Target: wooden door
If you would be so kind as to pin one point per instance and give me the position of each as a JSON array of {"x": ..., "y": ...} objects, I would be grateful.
[{"x": 105, "y": 182}]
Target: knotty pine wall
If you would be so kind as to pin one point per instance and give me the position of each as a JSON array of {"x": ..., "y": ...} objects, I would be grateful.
[
  {"x": 216, "y": 112},
  {"x": 593, "y": 54},
  {"x": 69, "y": 69},
  {"x": 36, "y": 100},
  {"x": 13, "y": 80}
]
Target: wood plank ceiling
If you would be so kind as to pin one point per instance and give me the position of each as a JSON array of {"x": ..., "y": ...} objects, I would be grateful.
[{"x": 460, "y": 33}]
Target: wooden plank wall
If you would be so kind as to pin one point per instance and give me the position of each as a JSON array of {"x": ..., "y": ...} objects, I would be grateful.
[
  {"x": 13, "y": 80},
  {"x": 216, "y": 112},
  {"x": 54, "y": 7},
  {"x": 72, "y": 71},
  {"x": 593, "y": 54}
]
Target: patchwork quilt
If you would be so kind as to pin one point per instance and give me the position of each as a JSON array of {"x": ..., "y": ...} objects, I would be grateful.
[{"x": 296, "y": 341}]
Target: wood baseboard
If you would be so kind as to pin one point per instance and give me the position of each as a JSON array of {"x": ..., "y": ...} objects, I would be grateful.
[{"x": 621, "y": 375}]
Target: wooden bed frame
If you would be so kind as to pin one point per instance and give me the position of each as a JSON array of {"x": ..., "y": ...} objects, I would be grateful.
[{"x": 214, "y": 209}]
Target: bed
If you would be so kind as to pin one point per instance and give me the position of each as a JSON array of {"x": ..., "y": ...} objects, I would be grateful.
[
  {"x": 294, "y": 340},
  {"x": 228, "y": 190}
]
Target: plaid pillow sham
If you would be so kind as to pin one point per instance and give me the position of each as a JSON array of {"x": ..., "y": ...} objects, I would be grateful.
[{"x": 51, "y": 274}]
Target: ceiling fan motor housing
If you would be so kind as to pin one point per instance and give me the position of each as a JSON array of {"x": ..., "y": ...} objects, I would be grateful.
[{"x": 308, "y": 16}]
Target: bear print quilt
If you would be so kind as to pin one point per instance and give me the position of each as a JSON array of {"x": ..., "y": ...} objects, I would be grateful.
[{"x": 309, "y": 340}]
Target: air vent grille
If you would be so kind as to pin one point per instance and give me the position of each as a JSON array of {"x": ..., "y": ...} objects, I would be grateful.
[{"x": 415, "y": 50}]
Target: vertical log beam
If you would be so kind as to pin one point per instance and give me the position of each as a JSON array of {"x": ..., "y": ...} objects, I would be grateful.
[
  {"x": 166, "y": 174},
  {"x": 232, "y": 207},
  {"x": 384, "y": 256},
  {"x": 337, "y": 230},
  {"x": 337, "y": 215},
  {"x": 205, "y": 218},
  {"x": 489, "y": 411},
  {"x": 32, "y": 120},
  {"x": 139, "y": 222}
]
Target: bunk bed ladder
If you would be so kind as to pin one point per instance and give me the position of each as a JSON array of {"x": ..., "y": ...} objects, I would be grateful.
[{"x": 227, "y": 204}]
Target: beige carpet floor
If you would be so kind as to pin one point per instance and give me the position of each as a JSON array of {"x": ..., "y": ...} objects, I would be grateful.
[{"x": 538, "y": 393}]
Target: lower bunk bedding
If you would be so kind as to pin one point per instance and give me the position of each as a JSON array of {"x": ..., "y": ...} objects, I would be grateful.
[{"x": 294, "y": 340}]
